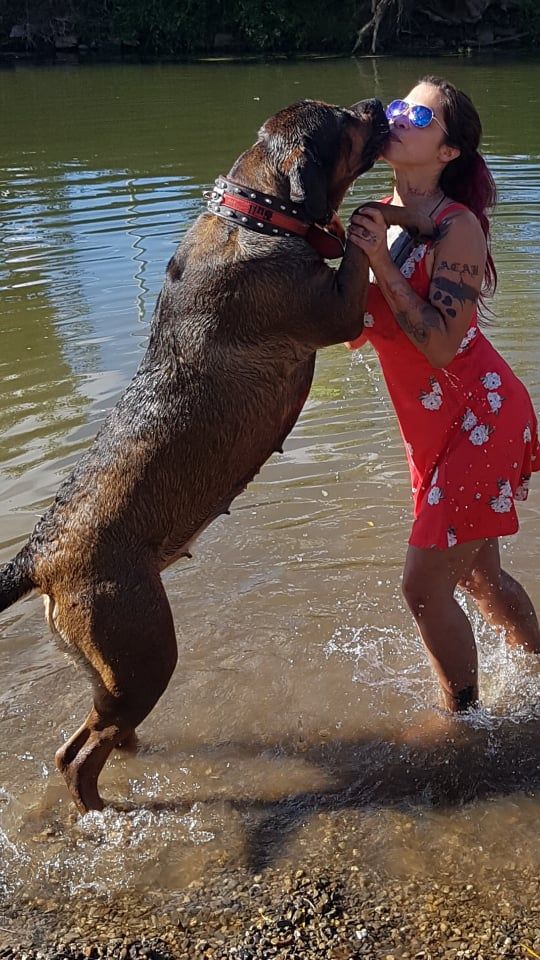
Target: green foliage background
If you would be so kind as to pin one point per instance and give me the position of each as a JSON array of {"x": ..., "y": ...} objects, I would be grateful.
[{"x": 189, "y": 27}]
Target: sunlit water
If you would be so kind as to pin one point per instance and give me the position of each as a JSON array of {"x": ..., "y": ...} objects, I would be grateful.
[{"x": 300, "y": 674}]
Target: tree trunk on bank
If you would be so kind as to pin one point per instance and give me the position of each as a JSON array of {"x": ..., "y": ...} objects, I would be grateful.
[
  {"x": 379, "y": 9},
  {"x": 463, "y": 13}
]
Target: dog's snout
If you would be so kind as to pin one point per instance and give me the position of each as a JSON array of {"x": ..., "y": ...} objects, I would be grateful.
[{"x": 372, "y": 112}]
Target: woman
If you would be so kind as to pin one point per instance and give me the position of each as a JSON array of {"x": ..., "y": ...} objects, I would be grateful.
[{"x": 467, "y": 422}]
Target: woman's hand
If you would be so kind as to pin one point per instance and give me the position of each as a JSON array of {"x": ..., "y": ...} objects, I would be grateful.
[{"x": 367, "y": 230}]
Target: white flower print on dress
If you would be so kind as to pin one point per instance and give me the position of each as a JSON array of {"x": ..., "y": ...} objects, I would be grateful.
[
  {"x": 527, "y": 435},
  {"x": 522, "y": 490},
  {"x": 368, "y": 320},
  {"x": 468, "y": 338},
  {"x": 480, "y": 434},
  {"x": 435, "y": 495},
  {"x": 431, "y": 401},
  {"x": 451, "y": 537},
  {"x": 491, "y": 381},
  {"x": 408, "y": 268},
  {"x": 502, "y": 503},
  {"x": 495, "y": 401},
  {"x": 434, "y": 399},
  {"x": 469, "y": 420}
]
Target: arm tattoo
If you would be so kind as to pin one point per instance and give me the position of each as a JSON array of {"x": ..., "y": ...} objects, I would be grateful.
[
  {"x": 471, "y": 269},
  {"x": 441, "y": 230},
  {"x": 416, "y": 331},
  {"x": 419, "y": 330},
  {"x": 450, "y": 294}
]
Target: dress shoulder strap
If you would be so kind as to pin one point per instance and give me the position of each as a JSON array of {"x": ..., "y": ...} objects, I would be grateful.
[{"x": 451, "y": 207}]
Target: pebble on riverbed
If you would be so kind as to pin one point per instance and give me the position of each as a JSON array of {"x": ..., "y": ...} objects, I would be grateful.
[{"x": 287, "y": 916}]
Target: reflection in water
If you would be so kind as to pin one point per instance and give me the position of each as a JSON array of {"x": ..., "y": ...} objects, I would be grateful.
[
  {"x": 292, "y": 720},
  {"x": 140, "y": 254}
]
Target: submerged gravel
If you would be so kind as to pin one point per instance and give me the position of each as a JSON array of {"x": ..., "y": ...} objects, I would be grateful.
[{"x": 287, "y": 915}]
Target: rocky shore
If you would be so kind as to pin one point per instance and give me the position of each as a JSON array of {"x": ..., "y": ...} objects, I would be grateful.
[{"x": 287, "y": 915}]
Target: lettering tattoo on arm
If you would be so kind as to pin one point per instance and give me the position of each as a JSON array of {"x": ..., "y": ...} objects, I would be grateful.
[{"x": 471, "y": 269}]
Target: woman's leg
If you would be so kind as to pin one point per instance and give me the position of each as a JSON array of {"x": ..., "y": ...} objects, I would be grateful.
[
  {"x": 502, "y": 600},
  {"x": 429, "y": 581}
]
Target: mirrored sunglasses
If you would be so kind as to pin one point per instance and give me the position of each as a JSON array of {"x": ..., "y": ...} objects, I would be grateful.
[{"x": 416, "y": 113}]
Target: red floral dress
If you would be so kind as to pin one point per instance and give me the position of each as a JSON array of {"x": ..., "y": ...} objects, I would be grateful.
[{"x": 469, "y": 429}]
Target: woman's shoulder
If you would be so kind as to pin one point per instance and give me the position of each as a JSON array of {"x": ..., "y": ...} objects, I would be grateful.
[
  {"x": 459, "y": 224},
  {"x": 453, "y": 210}
]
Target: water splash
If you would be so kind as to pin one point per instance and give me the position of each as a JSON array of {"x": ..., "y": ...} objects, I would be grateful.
[{"x": 393, "y": 657}]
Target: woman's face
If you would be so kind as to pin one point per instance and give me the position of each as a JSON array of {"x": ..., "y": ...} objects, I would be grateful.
[{"x": 410, "y": 146}]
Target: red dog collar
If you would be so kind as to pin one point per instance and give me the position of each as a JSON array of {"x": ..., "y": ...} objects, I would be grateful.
[{"x": 271, "y": 216}]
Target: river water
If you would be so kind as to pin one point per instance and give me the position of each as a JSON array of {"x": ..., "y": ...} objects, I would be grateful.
[{"x": 300, "y": 673}]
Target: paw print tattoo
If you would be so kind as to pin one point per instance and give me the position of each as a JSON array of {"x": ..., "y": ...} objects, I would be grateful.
[{"x": 451, "y": 294}]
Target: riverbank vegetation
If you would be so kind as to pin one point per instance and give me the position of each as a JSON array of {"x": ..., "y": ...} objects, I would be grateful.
[{"x": 265, "y": 27}]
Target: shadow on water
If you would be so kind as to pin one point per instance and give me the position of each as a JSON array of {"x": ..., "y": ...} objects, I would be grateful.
[{"x": 456, "y": 763}]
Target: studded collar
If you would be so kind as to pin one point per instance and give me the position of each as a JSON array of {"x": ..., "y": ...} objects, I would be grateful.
[{"x": 269, "y": 215}]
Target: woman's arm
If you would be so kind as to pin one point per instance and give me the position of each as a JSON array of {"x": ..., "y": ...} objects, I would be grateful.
[{"x": 436, "y": 326}]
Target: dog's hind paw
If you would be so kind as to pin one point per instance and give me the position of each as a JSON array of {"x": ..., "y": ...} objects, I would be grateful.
[{"x": 130, "y": 743}]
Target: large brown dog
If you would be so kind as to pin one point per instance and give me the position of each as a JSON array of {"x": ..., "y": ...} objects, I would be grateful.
[{"x": 227, "y": 370}]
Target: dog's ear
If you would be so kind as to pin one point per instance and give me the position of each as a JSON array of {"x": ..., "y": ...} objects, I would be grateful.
[
  {"x": 302, "y": 142},
  {"x": 308, "y": 181}
]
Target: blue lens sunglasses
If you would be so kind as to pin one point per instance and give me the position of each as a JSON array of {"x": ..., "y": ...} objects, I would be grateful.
[{"x": 417, "y": 114}]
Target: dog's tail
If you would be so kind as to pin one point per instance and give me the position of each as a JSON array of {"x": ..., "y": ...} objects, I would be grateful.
[{"x": 15, "y": 580}]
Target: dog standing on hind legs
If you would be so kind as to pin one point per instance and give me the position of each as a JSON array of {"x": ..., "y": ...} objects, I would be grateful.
[{"x": 247, "y": 301}]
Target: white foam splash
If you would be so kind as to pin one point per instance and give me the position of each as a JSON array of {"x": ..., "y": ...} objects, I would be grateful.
[{"x": 391, "y": 657}]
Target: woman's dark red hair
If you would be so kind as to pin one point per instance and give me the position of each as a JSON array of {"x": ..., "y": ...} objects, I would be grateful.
[{"x": 467, "y": 179}]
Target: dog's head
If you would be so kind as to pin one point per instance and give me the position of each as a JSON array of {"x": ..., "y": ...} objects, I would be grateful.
[{"x": 319, "y": 150}]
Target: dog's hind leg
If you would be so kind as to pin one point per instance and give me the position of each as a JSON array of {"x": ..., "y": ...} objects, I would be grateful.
[{"x": 130, "y": 646}]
